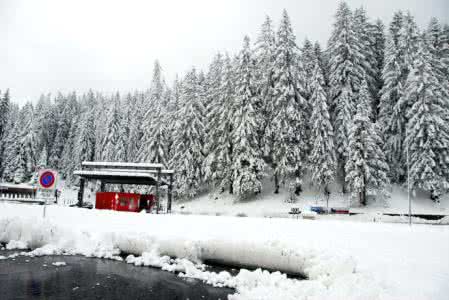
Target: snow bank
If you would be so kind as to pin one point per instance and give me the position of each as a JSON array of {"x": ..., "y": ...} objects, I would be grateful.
[{"x": 343, "y": 260}]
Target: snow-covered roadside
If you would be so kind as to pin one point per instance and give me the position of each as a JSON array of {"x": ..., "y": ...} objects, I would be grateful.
[
  {"x": 268, "y": 204},
  {"x": 343, "y": 260}
]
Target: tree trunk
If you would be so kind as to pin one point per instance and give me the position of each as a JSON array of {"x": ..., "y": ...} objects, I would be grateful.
[
  {"x": 363, "y": 193},
  {"x": 276, "y": 184},
  {"x": 343, "y": 183}
]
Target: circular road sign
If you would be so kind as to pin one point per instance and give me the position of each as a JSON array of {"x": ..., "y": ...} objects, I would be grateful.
[{"x": 47, "y": 179}]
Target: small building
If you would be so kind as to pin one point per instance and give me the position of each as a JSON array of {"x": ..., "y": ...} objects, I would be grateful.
[
  {"x": 120, "y": 173},
  {"x": 124, "y": 201}
]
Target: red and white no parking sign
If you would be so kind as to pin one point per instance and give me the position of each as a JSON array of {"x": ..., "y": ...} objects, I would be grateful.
[{"x": 47, "y": 179}]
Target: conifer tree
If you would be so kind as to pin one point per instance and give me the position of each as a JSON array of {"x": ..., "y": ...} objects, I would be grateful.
[
  {"x": 366, "y": 170},
  {"x": 173, "y": 114},
  {"x": 427, "y": 127},
  {"x": 189, "y": 139},
  {"x": 288, "y": 122},
  {"x": 264, "y": 55},
  {"x": 152, "y": 148},
  {"x": 322, "y": 160},
  {"x": 212, "y": 86},
  {"x": 247, "y": 163},
  {"x": 85, "y": 144},
  {"x": 308, "y": 60},
  {"x": 346, "y": 71},
  {"x": 25, "y": 159},
  {"x": 219, "y": 159},
  {"x": 10, "y": 144},
  {"x": 4, "y": 115},
  {"x": 378, "y": 32},
  {"x": 392, "y": 76},
  {"x": 68, "y": 164},
  {"x": 365, "y": 37},
  {"x": 111, "y": 137}
]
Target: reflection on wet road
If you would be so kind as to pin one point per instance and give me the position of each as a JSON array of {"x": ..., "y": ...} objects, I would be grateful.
[{"x": 90, "y": 278}]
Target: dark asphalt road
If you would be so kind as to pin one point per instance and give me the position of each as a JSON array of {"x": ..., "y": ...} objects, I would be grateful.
[{"x": 91, "y": 278}]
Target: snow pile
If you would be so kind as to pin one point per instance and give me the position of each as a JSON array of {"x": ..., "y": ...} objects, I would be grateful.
[
  {"x": 12, "y": 245},
  {"x": 343, "y": 260}
]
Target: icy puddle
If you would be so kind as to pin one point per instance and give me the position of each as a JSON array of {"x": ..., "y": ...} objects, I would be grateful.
[{"x": 78, "y": 277}]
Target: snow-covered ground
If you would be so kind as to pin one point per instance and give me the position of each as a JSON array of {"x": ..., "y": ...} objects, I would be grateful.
[
  {"x": 342, "y": 260},
  {"x": 271, "y": 205}
]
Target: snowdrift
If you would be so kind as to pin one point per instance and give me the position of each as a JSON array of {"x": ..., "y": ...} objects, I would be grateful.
[{"x": 341, "y": 260}]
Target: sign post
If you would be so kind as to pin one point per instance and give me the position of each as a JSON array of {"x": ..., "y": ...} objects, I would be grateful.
[{"x": 47, "y": 185}]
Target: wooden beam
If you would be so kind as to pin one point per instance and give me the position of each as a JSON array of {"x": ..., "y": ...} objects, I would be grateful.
[
  {"x": 169, "y": 194},
  {"x": 158, "y": 178},
  {"x": 81, "y": 193}
]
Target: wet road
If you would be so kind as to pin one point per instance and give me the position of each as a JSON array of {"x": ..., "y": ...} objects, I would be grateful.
[{"x": 91, "y": 278}]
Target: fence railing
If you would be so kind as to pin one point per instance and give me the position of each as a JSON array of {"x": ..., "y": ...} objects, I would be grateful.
[{"x": 18, "y": 197}]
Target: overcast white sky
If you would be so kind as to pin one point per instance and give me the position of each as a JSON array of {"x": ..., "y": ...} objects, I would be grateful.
[{"x": 107, "y": 45}]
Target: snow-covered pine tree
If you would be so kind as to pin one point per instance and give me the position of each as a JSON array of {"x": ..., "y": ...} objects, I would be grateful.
[
  {"x": 153, "y": 144},
  {"x": 264, "y": 48},
  {"x": 121, "y": 146},
  {"x": 408, "y": 41},
  {"x": 85, "y": 144},
  {"x": 189, "y": 139},
  {"x": 378, "y": 32},
  {"x": 365, "y": 36},
  {"x": 264, "y": 55},
  {"x": 42, "y": 161},
  {"x": 308, "y": 61},
  {"x": 111, "y": 136},
  {"x": 4, "y": 111},
  {"x": 25, "y": 160},
  {"x": 322, "y": 159},
  {"x": 247, "y": 163},
  {"x": 319, "y": 55},
  {"x": 212, "y": 85},
  {"x": 217, "y": 169},
  {"x": 172, "y": 115},
  {"x": 346, "y": 71},
  {"x": 102, "y": 106},
  {"x": 10, "y": 143},
  {"x": 67, "y": 161},
  {"x": 66, "y": 109},
  {"x": 391, "y": 92},
  {"x": 42, "y": 125},
  {"x": 134, "y": 117},
  {"x": 4, "y": 114},
  {"x": 407, "y": 49},
  {"x": 289, "y": 118},
  {"x": 366, "y": 169},
  {"x": 438, "y": 44},
  {"x": 427, "y": 135}
]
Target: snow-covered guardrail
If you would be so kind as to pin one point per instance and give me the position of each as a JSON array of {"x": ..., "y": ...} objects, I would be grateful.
[{"x": 19, "y": 198}]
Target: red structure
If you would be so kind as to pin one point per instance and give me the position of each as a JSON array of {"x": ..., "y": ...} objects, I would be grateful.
[
  {"x": 124, "y": 201},
  {"x": 126, "y": 173}
]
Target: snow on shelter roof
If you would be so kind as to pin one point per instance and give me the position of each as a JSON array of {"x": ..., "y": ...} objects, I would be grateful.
[
  {"x": 112, "y": 176},
  {"x": 112, "y": 173},
  {"x": 106, "y": 164}
]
